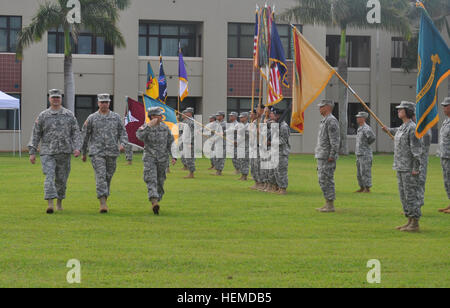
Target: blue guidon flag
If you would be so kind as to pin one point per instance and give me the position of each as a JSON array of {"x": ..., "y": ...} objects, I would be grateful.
[
  {"x": 168, "y": 114},
  {"x": 433, "y": 69}
]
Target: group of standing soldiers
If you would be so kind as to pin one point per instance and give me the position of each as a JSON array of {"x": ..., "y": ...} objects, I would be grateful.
[{"x": 103, "y": 137}]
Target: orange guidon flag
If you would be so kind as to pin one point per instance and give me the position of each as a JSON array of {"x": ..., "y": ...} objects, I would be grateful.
[{"x": 311, "y": 75}]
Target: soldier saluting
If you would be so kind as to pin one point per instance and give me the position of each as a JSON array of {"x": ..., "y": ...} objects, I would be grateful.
[
  {"x": 57, "y": 130},
  {"x": 158, "y": 140},
  {"x": 102, "y": 132},
  {"x": 364, "y": 156}
]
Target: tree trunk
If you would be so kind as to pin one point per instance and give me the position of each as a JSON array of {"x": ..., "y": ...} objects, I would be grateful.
[
  {"x": 343, "y": 94},
  {"x": 69, "y": 84}
]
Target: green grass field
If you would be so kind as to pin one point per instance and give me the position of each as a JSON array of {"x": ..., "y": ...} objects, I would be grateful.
[{"x": 215, "y": 232}]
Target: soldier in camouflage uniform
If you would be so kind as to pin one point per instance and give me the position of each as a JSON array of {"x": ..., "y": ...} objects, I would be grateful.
[
  {"x": 254, "y": 150},
  {"x": 57, "y": 130},
  {"x": 265, "y": 133},
  {"x": 103, "y": 131},
  {"x": 211, "y": 126},
  {"x": 426, "y": 143},
  {"x": 243, "y": 146},
  {"x": 281, "y": 172},
  {"x": 364, "y": 156},
  {"x": 232, "y": 131},
  {"x": 129, "y": 154},
  {"x": 444, "y": 150},
  {"x": 220, "y": 161},
  {"x": 327, "y": 153},
  {"x": 188, "y": 124},
  {"x": 272, "y": 186},
  {"x": 158, "y": 140},
  {"x": 407, "y": 163}
]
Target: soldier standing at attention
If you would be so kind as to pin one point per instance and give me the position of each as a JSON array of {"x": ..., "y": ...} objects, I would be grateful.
[
  {"x": 281, "y": 172},
  {"x": 232, "y": 131},
  {"x": 243, "y": 146},
  {"x": 444, "y": 150},
  {"x": 220, "y": 161},
  {"x": 327, "y": 153},
  {"x": 254, "y": 149},
  {"x": 364, "y": 156},
  {"x": 211, "y": 126},
  {"x": 189, "y": 160},
  {"x": 158, "y": 140},
  {"x": 58, "y": 132},
  {"x": 102, "y": 132},
  {"x": 407, "y": 163}
]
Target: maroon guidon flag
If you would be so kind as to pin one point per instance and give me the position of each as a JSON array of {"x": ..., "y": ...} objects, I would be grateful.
[{"x": 134, "y": 118}]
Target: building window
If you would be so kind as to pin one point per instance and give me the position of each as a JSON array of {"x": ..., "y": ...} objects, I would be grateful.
[
  {"x": 358, "y": 50},
  {"x": 241, "y": 39},
  {"x": 352, "y": 111},
  {"x": 395, "y": 121},
  {"x": 10, "y": 27},
  {"x": 7, "y": 117},
  {"x": 156, "y": 38},
  {"x": 398, "y": 51},
  {"x": 88, "y": 43},
  {"x": 86, "y": 105}
]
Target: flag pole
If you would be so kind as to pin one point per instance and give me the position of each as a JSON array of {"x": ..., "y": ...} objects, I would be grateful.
[{"x": 363, "y": 103}]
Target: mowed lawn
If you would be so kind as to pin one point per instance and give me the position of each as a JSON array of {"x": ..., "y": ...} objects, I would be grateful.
[{"x": 215, "y": 232}]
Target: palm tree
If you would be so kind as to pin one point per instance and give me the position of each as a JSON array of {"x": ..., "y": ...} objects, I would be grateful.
[
  {"x": 97, "y": 16},
  {"x": 346, "y": 14}
]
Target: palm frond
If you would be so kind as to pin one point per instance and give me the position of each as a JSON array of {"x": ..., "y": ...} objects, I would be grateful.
[
  {"x": 309, "y": 12},
  {"x": 106, "y": 28}
]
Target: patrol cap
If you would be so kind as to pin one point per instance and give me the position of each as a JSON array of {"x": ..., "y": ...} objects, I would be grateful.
[
  {"x": 189, "y": 109},
  {"x": 220, "y": 113},
  {"x": 235, "y": 114},
  {"x": 407, "y": 105},
  {"x": 212, "y": 116},
  {"x": 446, "y": 101},
  {"x": 154, "y": 111},
  {"x": 54, "y": 93},
  {"x": 326, "y": 102},
  {"x": 362, "y": 114},
  {"x": 103, "y": 97},
  {"x": 244, "y": 115}
]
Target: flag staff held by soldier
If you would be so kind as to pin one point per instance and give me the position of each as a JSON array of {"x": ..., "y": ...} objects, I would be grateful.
[{"x": 56, "y": 130}]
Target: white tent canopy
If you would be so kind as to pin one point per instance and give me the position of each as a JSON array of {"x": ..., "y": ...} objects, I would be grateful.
[{"x": 11, "y": 103}]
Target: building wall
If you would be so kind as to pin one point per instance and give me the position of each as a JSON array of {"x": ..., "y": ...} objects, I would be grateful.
[{"x": 211, "y": 77}]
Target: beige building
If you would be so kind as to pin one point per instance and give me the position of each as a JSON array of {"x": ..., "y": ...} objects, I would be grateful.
[{"x": 217, "y": 41}]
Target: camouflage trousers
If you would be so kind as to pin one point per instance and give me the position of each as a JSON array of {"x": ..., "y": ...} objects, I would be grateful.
[
  {"x": 423, "y": 177},
  {"x": 281, "y": 172},
  {"x": 445, "y": 163},
  {"x": 104, "y": 168},
  {"x": 129, "y": 152},
  {"x": 256, "y": 170},
  {"x": 364, "y": 171},
  {"x": 244, "y": 165},
  {"x": 56, "y": 169},
  {"x": 189, "y": 162},
  {"x": 154, "y": 177},
  {"x": 408, "y": 187},
  {"x": 325, "y": 172}
]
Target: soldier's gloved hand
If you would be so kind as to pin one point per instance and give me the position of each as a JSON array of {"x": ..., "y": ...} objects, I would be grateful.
[
  {"x": 76, "y": 153},
  {"x": 32, "y": 159},
  {"x": 84, "y": 158}
]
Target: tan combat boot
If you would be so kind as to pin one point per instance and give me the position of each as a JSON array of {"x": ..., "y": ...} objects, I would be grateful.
[
  {"x": 328, "y": 208},
  {"x": 59, "y": 207},
  {"x": 244, "y": 178},
  {"x": 360, "y": 190},
  {"x": 445, "y": 209},
  {"x": 51, "y": 207},
  {"x": 155, "y": 206},
  {"x": 103, "y": 206},
  {"x": 413, "y": 226},
  {"x": 281, "y": 191},
  {"x": 190, "y": 176},
  {"x": 366, "y": 190},
  {"x": 404, "y": 226}
]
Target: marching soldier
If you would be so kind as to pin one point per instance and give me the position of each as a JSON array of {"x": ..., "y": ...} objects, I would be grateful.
[
  {"x": 158, "y": 141},
  {"x": 103, "y": 131},
  {"x": 281, "y": 172},
  {"x": 220, "y": 161},
  {"x": 189, "y": 161},
  {"x": 58, "y": 132},
  {"x": 243, "y": 146},
  {"x": 444, "y": 150},
  {"x": 364, "y": 156},
  {"x": 327, "y": 153},
  {"x": 407, "y": 163}
]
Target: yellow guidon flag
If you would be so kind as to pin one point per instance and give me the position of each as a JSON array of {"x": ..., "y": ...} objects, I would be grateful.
[{"x": 311, "y": 75}]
